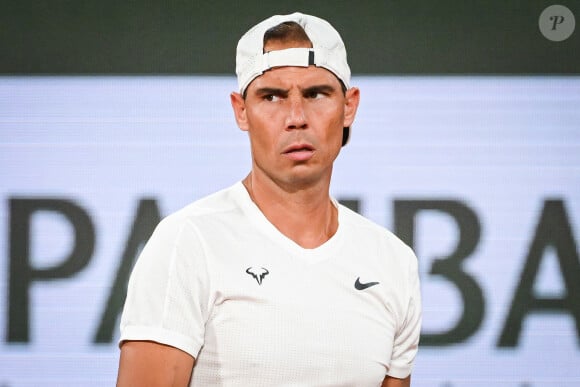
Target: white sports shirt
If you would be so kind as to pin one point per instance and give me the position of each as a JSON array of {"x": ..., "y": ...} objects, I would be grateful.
[{"x": 220, "y": 282}]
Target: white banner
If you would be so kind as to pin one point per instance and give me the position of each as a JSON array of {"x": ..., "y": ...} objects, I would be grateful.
[{"x": 480, "y": 174}]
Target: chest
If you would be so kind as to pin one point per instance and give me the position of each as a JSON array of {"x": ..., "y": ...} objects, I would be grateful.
[{"x": 281, "y": 317}]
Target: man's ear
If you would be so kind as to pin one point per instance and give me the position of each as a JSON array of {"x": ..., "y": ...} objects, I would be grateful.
[
  {"x": 352, "y": 99},
  {"x": 239, "y": 106}
]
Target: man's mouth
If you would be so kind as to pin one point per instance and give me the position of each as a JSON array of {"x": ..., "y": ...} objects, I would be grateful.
[
  {"x": 299, "y": 148},
  {"x": 299, "y": 152}
]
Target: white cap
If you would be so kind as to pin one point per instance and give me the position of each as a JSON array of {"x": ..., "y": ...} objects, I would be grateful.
[{"x": 327, "y": 50}]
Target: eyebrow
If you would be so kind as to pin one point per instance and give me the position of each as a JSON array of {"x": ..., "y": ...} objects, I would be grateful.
[
  {"x": 327, "y": 89},
  {"x": 324, "y": 88},
  {"x": 271, "y": 91}
]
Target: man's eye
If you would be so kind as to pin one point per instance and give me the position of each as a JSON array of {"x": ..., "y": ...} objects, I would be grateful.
[
  {"x": 314, "y": 94},
  {"x": 271, "y": 98}
]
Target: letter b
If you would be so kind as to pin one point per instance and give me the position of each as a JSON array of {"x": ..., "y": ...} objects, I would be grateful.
[{"x": 450, "y": 267}]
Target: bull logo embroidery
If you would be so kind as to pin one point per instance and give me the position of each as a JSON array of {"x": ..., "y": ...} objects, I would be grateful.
[{"x": 258, "y": 273}]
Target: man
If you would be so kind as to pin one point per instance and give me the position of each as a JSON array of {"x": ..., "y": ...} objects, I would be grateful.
[{"x": 271, "y": 282}]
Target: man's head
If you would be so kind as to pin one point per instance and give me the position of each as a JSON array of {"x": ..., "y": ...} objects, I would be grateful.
[
  {"x": 294, "y": 98},
  {"x": 291, "y": 40}
]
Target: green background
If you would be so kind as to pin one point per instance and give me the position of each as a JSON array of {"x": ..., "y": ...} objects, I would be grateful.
[{"x": 195, "y": 37}]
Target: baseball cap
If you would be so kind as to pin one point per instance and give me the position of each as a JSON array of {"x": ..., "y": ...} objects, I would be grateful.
[{"x": 327, "y": 50}]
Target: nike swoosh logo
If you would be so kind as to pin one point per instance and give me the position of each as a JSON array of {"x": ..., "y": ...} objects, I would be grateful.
[{"x": 362, "y": 286}]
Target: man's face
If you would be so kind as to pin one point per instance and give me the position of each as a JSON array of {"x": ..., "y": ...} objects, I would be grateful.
[{"x": 295, "y": 118}]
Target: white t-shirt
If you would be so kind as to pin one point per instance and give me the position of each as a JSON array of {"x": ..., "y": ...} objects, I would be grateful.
[{"x": 220, "y": 282}]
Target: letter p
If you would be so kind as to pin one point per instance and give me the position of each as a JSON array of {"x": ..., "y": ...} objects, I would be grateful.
[
  {"x": 556, "y": 20},
  {"x": 23, "y": 274}
]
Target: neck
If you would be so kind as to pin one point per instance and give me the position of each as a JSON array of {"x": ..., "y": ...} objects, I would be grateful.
[{"x": 306, "y": 216}]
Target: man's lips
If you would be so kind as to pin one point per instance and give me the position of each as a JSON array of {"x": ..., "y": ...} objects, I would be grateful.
[{"x": 299, "y": 152}]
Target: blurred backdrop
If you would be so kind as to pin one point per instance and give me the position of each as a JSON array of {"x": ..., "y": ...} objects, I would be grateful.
[{"x": 466, "y": 145}]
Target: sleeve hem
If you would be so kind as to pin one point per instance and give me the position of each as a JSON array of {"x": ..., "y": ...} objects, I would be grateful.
[
  {"x": 161, "y": 336},
  {"x": 399, "y": 372}
]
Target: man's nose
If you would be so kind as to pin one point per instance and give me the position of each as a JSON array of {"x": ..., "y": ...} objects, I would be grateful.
[{"x": 296, "y": 118}]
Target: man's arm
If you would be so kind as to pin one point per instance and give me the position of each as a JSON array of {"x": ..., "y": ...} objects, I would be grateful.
[
  {"x": 148, "y": 364},
  {"x": 396, "y": 382}
]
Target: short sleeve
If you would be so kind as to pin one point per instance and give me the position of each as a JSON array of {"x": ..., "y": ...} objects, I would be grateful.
[
  {"x": 167, "y": 292},
  {"x": 406, "y": 342}
]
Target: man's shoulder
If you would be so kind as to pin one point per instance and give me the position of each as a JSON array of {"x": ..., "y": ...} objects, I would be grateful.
[
  {"x": 366, "y": 229},
  {"x": 223, "y": 201},
  {"x": 356, "y": 221}
]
